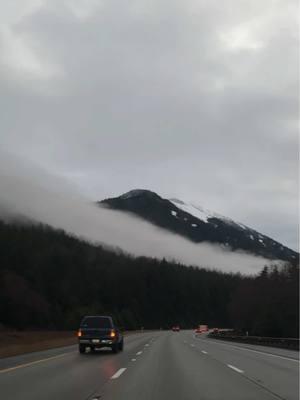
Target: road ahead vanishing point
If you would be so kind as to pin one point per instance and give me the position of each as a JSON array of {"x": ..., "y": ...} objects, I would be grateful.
[{"x": 154, "y": 366}]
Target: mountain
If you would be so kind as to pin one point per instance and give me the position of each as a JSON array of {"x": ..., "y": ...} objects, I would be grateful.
[{"x": 199, "y": 225}]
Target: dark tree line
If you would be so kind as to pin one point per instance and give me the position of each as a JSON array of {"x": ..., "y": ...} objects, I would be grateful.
[
  {"x": 49, "y": 280},
  {"x": 268, "y": 304}
]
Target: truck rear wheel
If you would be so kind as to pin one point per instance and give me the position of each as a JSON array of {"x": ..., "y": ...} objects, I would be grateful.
[
  {"x": 115, "y": 348},
  {"x": 81, "y": 348}
]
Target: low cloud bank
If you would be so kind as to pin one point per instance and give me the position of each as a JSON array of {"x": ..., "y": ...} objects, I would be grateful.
[{"x": 26, "y": 190}]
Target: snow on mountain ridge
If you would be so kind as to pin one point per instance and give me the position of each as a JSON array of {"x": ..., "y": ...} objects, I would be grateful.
[
  {"x": 202, "y": 213},
  {"x": 197, "y": 212},
  {"x": 191, "y": 208}
]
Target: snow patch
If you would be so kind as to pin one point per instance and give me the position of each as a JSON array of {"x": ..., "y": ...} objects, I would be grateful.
[
  {"x": 177, "y": 201},
  {"x": 194, "y": 225},
  {"x": 203, "y": 214},
  {"x": 174, "y": 213},
  {"x": 191, "y": 209}
]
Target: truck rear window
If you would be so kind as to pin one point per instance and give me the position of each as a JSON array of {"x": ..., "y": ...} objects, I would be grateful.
[{"x": 96, "y": 322}]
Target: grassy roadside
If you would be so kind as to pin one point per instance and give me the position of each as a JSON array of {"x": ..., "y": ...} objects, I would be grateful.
[{"x": 16, "y": 343}]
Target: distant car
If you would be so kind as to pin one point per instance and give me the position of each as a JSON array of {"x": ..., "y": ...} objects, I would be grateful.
[
  {"x": 201, "y": 329},
  {"x": 215, "y": 330},
  {"x": 176, "y": 328},
  {"x": 97, "y": 331}
]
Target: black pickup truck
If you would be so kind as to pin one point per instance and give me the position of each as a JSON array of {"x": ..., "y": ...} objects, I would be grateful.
[{"x": 98, "y": 331}]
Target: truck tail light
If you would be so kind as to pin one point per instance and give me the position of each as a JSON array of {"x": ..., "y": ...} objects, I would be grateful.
[
  {"x": 79, "y": 333},
  {"x": 112, "y": 333}
]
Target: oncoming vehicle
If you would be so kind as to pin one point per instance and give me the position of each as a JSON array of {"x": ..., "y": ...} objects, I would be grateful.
[
  {"x": 98, "y": 331},
  {"x": 176, "y": 328}
]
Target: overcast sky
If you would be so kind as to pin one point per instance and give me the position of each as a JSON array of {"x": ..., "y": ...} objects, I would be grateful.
[{"x": 192, "y": 99}]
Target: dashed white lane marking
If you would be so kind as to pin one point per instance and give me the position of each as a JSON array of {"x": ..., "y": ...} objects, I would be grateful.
[
  {"x": 235, "y": 369},
  {"x": 139, "y": 353},
  {"x": 146, "y": 345},
  {"x": 118, "y": 373},
  {"x": 2, "y": 371},
  {"x": 253, "y": 351},
  {"x": 133, "y": 359},
  {"x": 203, "y": 351}
]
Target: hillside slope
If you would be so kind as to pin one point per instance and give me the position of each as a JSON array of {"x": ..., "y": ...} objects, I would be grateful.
[{"x": 50, "y": 280}]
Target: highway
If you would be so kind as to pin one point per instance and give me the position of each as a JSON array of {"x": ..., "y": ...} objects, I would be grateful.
[{"x": 158, "y": 365}]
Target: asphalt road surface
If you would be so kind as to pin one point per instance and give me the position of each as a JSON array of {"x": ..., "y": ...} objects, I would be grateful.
[{"x": 157, "y": 366}]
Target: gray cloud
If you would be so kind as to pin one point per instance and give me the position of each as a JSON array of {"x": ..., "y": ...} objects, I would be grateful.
[{"x": 195, "y": 100}]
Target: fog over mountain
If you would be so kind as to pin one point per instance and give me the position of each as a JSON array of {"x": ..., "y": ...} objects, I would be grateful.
[{"x": 26, "y": 190}]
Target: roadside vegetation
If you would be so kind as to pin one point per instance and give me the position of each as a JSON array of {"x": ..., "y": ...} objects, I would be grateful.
[{"x": 13, "y": 343}]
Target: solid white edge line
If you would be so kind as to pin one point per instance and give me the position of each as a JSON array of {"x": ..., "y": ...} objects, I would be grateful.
[
  {"x": 139, "y": 353},
  {"x": 118, "y": 373},
  {"x": 235, "y": 368},
  {"x": 254, "y": 351}
]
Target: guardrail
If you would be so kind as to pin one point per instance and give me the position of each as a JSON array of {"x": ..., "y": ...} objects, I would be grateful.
[{"x": 286, "y": 343}]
